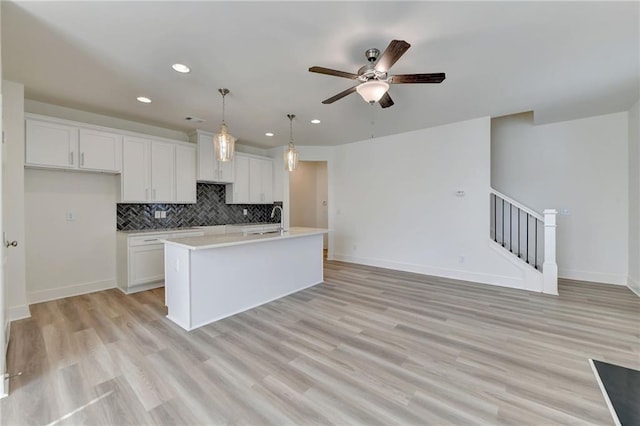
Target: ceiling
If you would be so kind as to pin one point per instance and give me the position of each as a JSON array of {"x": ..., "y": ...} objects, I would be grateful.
[{"x": 562, "y": 60}]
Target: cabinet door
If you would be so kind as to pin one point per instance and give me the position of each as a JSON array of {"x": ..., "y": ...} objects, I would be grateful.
[
  {"x": 239, "y": 191},
  {"x": 136, "y": 176},
  {"x": 101, "y": 151},
  {"x": 206, "y": 159},
  {"x": 226, "y": 171},
  {"x": 146, "y": 264},
  {"x": 255, "y": 181},
  {"x": 50, "y": 144},
  {"x": 185, "y": 174},
  {"x": 163, "y": 172},
  {"x": 266, "y": 178}
]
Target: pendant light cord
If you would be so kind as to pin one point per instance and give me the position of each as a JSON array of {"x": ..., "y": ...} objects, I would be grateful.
[
  {"x": 223, "y": 95},
  {"x": 291, "y": 117}
]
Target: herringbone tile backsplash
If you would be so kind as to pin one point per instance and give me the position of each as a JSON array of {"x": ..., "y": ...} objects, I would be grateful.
[{"x": 210, "y": 209}]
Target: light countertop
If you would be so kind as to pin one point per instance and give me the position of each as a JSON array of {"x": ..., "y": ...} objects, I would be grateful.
[
  {"x": 193, "y": 228},
  {"x": 159, "y": 231},
  {"x": 224, "y": 240}
]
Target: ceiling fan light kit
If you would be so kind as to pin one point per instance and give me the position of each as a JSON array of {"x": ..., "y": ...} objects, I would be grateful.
[
  {"x": 372, "y": 90},
  {"x": 223, "y": 142},
  {"x": 291, "y": 155},
  {"x": 373, "y": 77}
]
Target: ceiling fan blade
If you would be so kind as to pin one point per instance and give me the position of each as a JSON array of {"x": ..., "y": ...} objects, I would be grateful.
[
  {"x": 329, "y": 71},
  {"x": 416, "y": 78},
  {"x": 386, "y": 101},
  {"x": 340, "y": 95},
  {"x": 392, "y": 53}
]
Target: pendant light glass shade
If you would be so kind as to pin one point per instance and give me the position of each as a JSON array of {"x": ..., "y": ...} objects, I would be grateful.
[
  {"x": 372, "y": 90},
  {"x": 290, "y": 155},
  {"x": 223, "y": 142}
]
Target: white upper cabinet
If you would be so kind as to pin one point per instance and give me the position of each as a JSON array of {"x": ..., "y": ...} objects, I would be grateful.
[
  {"x": 209, "y": 169},
  {"x": 60, "y": 145},
  {"x": 253, "y": 182},
  {"x": 136, "y": 170},
  {"x": 185, "y": 174},
  {"x": 260, "y": 176},
  {"x": 157, "y": 172},
  {"x": 153, "y": 170},
  {"x": 51, "y": 144},
  {"x": 163, "y": 172},
  {"x": 238, "y": 192},
  {"x": 101, "y": 151}
]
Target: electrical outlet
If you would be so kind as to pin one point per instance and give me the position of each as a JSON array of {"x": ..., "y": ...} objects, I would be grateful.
[
  {"x": 461, "y": 259},
  {"x": 156, "y": 214},
  {"x": 163, "y": 214},
  {"x": 565, "y": 212},
  {"x": 71, "y": 216},
  {"x": 245, "y": 212}
]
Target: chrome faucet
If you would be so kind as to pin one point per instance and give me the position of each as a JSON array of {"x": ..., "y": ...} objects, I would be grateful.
[{"x": 273, "y": 213}]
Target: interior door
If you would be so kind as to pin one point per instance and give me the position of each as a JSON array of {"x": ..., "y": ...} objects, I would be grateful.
[{"x": 4, "y": 384}]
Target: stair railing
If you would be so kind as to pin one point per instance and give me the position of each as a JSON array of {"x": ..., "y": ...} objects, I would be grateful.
[{"x": 527, "y": 234}]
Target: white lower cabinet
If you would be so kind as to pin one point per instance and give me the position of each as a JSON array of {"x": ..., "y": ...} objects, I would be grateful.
[{"x": 140, "y": 259}]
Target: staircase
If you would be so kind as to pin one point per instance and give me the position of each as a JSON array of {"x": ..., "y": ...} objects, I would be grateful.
[{"x": 528, "y": 235}]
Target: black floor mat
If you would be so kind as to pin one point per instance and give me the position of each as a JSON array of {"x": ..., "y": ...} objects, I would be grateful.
[{"x": 622, "y": 387}]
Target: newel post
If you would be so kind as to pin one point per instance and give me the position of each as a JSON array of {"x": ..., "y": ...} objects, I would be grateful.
[{"x": 550, "y": 267}]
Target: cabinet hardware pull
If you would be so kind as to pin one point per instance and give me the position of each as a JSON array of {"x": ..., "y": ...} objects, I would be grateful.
[
  {"x": 71, "y": 158},
  {"x": 82, "y": 158},
  {"x": 154, "y": 239},
  {"x": 13, "y": 243}
]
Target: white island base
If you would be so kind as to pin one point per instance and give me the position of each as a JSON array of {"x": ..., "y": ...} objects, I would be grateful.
[{"x": 212, "y": 277}]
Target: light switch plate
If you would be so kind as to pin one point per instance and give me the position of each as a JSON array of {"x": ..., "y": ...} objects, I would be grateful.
[{"x": 163, "y": 214}]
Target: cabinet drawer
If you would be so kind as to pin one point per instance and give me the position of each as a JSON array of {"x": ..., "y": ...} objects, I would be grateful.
[{"x": 147, "y": 240}]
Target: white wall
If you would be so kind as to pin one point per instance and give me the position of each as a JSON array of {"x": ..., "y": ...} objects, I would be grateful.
[
  {"x": 13, "y": 199},
  {"x": 69, "y": 257},
  {"x": 308, "y": 195},
  {"x": 579, "y": 165},
  {"x": 634, "y": 198},
  {"x": 396, "y": 205}
]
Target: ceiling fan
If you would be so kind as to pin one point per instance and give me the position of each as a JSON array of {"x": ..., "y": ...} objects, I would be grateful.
[{"x": 373, "y": 77}]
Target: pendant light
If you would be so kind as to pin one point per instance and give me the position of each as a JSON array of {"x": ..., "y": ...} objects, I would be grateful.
[
  {"x": 290, "y": 155},
  {"x": 223, "y": 142}
]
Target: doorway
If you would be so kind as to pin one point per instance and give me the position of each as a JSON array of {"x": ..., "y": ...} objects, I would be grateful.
[{"x": 308, "y": 197}]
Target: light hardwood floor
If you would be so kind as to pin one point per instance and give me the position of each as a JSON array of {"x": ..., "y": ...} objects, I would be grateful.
[{"x": 369, "y": 346}]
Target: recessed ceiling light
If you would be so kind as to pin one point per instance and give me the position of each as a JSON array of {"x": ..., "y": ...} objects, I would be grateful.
[
  {"x": 268, "y": 134},
  {"x": 315, "y": 121},
  {"x": 143, "y": 99},
  {"x": 181, "y": 68}
]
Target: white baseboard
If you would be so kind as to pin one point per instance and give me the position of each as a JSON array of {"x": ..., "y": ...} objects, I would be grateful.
[
  {"x": 478, "y": 277},
  {"x": 68, "y": 291},
  {"x": 596, "y": 277},
  {"x": 141, "y": 287},
  {"x": 18, "y": 312},
  {"x": 633, "y": 285}
]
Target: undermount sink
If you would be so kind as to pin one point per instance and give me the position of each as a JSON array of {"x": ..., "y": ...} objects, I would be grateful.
[{"x": 263, "y": 232}]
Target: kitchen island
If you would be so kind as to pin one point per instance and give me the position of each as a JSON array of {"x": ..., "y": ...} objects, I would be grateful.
[{"x": 212, "y": 277}]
